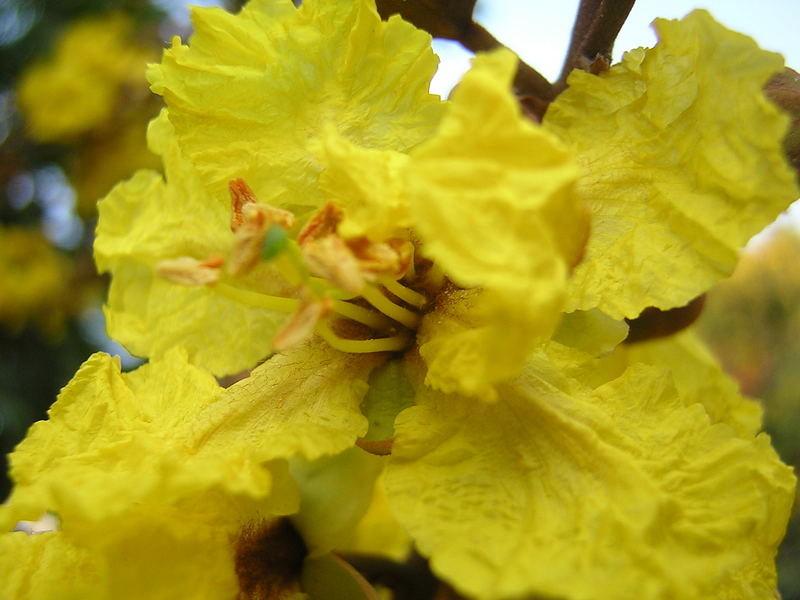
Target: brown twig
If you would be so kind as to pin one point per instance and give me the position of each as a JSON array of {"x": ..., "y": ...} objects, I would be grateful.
[
  {"x": 527, "y": 82},
  {"x": 784, "y": 90},
  {"x": 597, "y": 25}
]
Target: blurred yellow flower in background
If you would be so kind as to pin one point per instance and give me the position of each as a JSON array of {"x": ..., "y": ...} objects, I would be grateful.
[
  {"x": 34, "y": 282},
  {"x": 96, "y": 67}
]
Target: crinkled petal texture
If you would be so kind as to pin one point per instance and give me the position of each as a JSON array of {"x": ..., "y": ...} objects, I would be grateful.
[
  {"x": 682, "y": 164},
  {"x": 252, "y": 91},
  {"x": 48, "y": 566},
  {"x": 368, "y": 185},
  {"x": 158, "y": 471},
  {"x": 491, "y": 199},
  {"x": 625, "y": 491},
  {"x": 700, "y": 379},
  {"x": 148, "y": 219}
]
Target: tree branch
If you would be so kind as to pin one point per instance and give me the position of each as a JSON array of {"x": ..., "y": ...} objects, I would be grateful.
[
  {"x": 527, "y": 82},
  {"x": 597, "y": 25}
]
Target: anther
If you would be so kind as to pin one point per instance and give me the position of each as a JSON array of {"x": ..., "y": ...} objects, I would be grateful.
[
  {"x": 189, "y": 271},
  {"x": 250, "y": 221},
  {"x": 301, "y": 325},
  {"x": 331, "y": 259}
]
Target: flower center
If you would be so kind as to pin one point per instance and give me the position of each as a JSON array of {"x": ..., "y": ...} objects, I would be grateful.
[{"x": 360, "y": 296}]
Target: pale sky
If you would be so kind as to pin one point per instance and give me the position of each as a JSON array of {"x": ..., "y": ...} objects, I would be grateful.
[{"x": 540, "y": 36}]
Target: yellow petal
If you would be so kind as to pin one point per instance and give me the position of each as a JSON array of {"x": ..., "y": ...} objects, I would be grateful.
[
  {"x": 367, "y": 185},
  {"x": 558, "y": 490},
  {"x": 491, "y": 199},
  {"x": 47, "y": 565},
  {"x": 591, "y": 331},
  {"x": 682, "y": 163},
  {"x": 115, "y": 442},
  {"x": 162, "y": 462},
  {"x": 491, "y": 191},
  {"x": 699, "y": 378},
  {"x": 455, "y": 338},
  {"x": 155, "y": 217},
  {"x": 147, "y": 220},
  {"x": 150, "y": 563},
  {"x": 252, "y": 91},
  {"x": 304, "y": 402},
  {"x": 150, "y": 315},
  {"x": 379, "y": 533}
]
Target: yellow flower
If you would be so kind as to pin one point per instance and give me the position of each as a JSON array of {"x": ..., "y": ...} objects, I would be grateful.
[
  {"x": 80, "y": 86},
  {"x": 516, "y": 240},
  {"x": 567, "y": 489},
  {"x": 34, "y": 281},
  {"x": 679, "y": 147},
  {"x": 536, "y": 460},
  {"x": 166, "y": 485}
]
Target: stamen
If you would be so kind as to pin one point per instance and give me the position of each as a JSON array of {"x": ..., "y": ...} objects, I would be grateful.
[
  {"x": 189, "y": 271},
  {"x": 434, "y": 277},
  {"x": 251, "y": 221},
  {"x": 402, "y": 315},
  {"x": 330, "y": 258},
  {"x": 301, "y": 325},
  {"x": 241, "y": 195},
  {"x": 322, "y": 224},
  {"x": 405, "y": 294},
  {"x": 401, "y": 341},
  {"x": 245, "y": 208},
  {"x": 362, "y": 315},
  {"x": 256, "y": 299},
  {"x": 411, "y": 270},
  {"x": 327, "y": 270},
  {"x": 267, "y": 215},
  {"x": 246, "y": 251}
]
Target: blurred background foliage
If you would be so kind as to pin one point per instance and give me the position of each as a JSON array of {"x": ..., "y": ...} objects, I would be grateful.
[{"x": 72, "y": 123}]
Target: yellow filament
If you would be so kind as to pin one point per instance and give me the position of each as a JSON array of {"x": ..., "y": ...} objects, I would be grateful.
[
  {"x": 375, "y": 297},
  {"x": 405, "y": 294},
  {"x": 257, "y": 299},
  {"x": 363, "y": 315},
  {"x": 411, "y": 272},
  {"x": 400, "y": 341},
  {"x": 351, "y": 311},
  {"x": 435, "y": 277}
]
